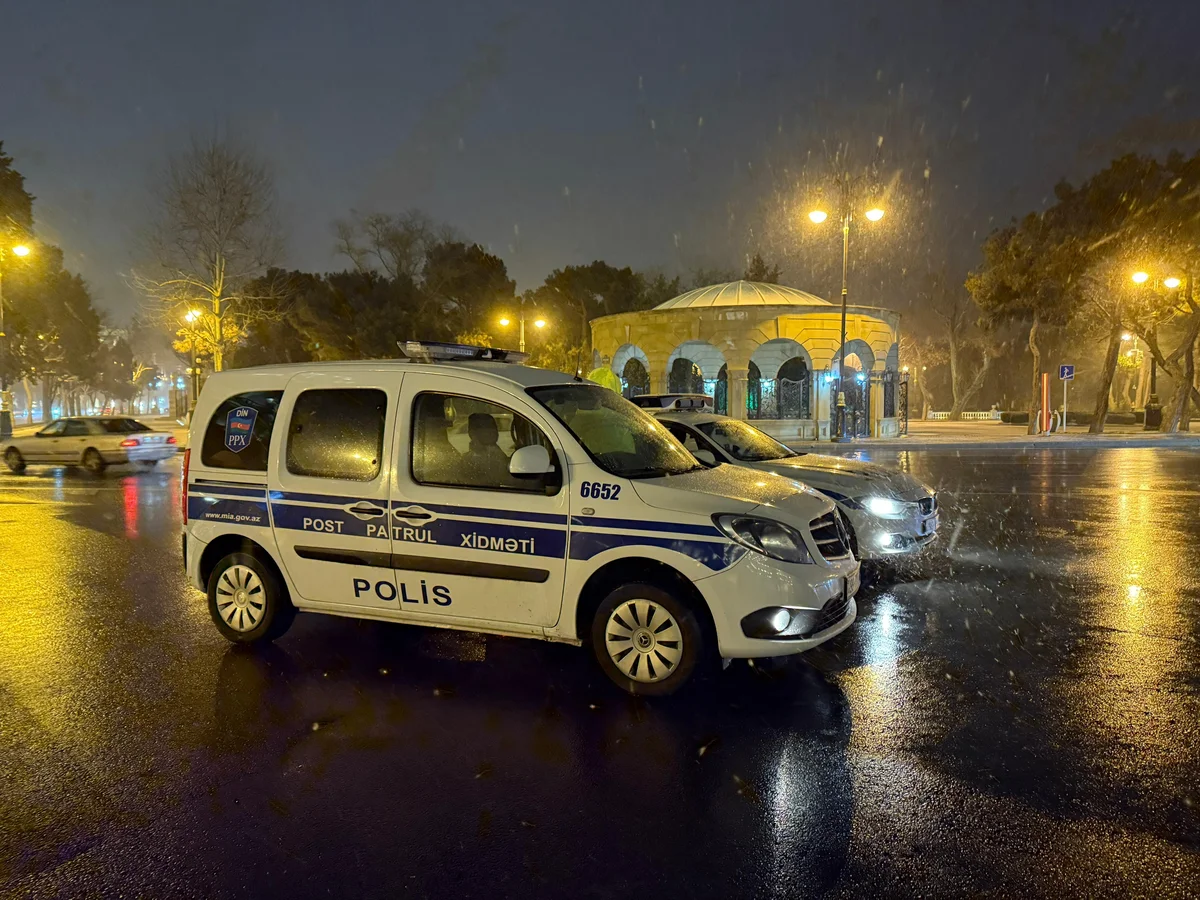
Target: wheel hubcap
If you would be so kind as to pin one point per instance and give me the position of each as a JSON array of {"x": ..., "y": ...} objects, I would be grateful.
[
  {"x": 643, "y": 640},
  {"x": 241, "y": 598}
]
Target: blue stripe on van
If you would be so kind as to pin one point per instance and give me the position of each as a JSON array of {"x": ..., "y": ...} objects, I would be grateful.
[
  {"x": 713, "y": 554},
  {"x": 219, "y": 509},
  {"x": 511, "y": 538},
  {"x": 485, "y": 513},
  {"x": 327, "y": 520},
  {"x": 641, "y": 525},
  {"x": 331, "y": 499}
]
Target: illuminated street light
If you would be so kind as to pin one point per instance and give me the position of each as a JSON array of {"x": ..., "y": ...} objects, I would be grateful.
[
  {"x": 5, "y": 395},
  {"x": 1127, "y": 336},
  {"x": 193, "y": 315},
  {"x": 1140, "y": 277},
  {"x": 874, "y": 214},
  {"x": 1171, "y": 283},
  {"x": 506, "y": 321}
]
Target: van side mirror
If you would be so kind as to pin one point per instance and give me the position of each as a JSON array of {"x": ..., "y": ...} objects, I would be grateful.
[
  {"x": 706, "y": 457},
  {"x": 530, "y": 461}
]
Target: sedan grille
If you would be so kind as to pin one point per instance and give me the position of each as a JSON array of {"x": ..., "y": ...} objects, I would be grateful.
[
  {"x": 832, "y": 612},
  {"x": 928, "y": 505},
  {"x": 829, "y": 534}
]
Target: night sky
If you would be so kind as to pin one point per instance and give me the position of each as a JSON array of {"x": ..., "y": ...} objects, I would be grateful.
[{"x": 659, "y": 135}]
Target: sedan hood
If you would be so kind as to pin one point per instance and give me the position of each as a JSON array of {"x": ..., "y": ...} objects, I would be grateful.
[
  {"x": 848, "y": 477},
  {"x": 743, "y": 489}
]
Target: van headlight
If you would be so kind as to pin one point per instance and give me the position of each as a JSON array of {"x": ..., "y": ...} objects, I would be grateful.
[
  {"x": 765, "y": 536},
  {"x": 884, "y": 507}
]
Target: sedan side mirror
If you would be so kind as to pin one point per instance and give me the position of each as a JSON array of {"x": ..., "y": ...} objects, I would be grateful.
[
  {"x": 530, "y": 461},
  {"x": 706, "y": 457}
]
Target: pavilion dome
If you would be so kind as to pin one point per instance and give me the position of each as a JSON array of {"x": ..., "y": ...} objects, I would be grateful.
[{"x": 743, "y": 293}]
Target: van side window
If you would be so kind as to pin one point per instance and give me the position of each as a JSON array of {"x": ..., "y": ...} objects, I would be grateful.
[
  {"x": 239, "y": 432},
  {"x": 466, "y": 442},
  {"x": 337, "y": 433}
]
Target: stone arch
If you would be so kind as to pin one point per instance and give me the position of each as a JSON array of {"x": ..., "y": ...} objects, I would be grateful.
[
  {"x": 771, "y": 355},
  {"x": 859, "y": 348},
  {"x": 625, "y": 353},
  {"x": 893, "y": 358},
  {"x": 703, "y": 354}
]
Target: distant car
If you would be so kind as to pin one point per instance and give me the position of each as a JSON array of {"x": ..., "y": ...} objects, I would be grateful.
[
  {"x": 888, "y": 512},
  {"x": 94, "y": 442},
  {"x": 655, "y": 402}
]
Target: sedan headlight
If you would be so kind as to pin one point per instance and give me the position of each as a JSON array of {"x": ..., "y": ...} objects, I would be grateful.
[
  {"x": 765, "y": 536},
  {"x": 885, "y": 507}
]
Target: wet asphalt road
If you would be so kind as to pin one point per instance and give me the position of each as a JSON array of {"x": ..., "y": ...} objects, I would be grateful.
[{"x": 1016, "y": 715}]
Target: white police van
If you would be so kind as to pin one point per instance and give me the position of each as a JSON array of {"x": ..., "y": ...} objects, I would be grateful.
[{"x": 475, "y": 493}]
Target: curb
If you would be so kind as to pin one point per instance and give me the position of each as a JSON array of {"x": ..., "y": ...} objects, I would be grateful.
[{"x": 1181, "y": 442}]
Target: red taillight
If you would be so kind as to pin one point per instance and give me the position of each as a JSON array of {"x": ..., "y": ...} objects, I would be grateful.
[
  {"x": 130, "y": 442},
  {"x": 171, "y": 440},
  {"x": 187, "y": 458}
]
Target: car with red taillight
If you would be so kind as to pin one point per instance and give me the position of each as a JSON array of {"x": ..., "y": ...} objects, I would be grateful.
[{"x": 94, "y": 442}]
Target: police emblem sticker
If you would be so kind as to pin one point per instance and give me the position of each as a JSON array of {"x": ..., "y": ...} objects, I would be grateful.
[{"x": 238, "y": 428}]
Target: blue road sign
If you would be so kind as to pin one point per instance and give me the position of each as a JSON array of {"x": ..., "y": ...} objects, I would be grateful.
[{"x": 1066, "y": 373}]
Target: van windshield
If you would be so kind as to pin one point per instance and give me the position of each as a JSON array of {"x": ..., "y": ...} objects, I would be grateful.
[{"x": 622, "y": 439}]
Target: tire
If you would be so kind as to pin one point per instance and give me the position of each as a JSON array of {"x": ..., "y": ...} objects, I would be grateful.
[
  {"x": 236, "y": 584},
  {"x": 14, "y": 460},
  {"x": 93, "y": 461},
  {"x": 640, "y": 650}
]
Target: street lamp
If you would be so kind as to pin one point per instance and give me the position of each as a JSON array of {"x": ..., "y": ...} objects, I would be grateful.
[
  {"x": 6, "y": 419},
  {"x": 1153, "y": 408},
  {"x": 538, "y": 323},
  {"x": 817, "y": 216}
]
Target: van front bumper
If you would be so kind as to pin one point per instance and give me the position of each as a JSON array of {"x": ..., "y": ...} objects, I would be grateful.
[{"x": 819, "y": 600}]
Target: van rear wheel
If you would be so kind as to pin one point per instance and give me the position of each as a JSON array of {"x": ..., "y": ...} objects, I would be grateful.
[
  {"x": 247, "y": 600},
  {"x": 646, "y": 640}
]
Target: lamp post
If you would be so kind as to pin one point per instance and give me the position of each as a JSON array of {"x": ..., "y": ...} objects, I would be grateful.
[
  {"x": 6, "y": 418},
  {"x": 818, "y": 216},
  {"x": 1153, "y": 409},
  {"x": 537, "y": 323},
  {"x": 193, "y": 316}
]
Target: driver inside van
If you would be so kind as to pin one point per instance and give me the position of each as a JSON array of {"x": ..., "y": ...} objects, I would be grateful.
[{"x": 484, "y": 458}]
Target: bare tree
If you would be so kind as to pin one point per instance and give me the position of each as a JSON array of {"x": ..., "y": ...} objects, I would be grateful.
[
  {"x": 214, "y": 234},
  {"x": 392, "y": 245}
]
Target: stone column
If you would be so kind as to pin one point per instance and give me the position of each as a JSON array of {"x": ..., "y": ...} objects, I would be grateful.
[
  {"x": 876, "y": 402},
  {"x": 738, "y": 384}
]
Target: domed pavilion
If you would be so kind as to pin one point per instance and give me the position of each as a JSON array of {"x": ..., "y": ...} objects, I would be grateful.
[{"x": 763, "y": 352}]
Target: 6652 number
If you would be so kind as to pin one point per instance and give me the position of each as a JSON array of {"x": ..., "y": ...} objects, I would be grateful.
[{"x": 599, "y": 490}]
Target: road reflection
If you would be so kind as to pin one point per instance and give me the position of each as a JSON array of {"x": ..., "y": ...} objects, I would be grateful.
[{"x": 746, "y": 773}]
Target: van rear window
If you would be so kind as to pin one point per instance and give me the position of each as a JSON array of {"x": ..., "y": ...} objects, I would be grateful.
[{"x": 239, "y": 432}]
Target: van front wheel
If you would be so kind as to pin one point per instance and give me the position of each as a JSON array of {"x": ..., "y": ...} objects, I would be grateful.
[
  {"x": 646, "y": 640},
  {"x": 247, "y": 600}
]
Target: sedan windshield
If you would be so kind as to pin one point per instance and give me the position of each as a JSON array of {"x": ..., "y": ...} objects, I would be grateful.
[
  {"x": 744, "y": 442},
  {"x": 621, "y": 438}
]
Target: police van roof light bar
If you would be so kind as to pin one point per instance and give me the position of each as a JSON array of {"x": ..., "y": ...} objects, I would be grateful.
[{"x": 439, "y": 351}]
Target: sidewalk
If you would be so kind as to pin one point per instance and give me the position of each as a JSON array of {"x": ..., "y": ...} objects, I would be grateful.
[{"x": 924, "y": 435}]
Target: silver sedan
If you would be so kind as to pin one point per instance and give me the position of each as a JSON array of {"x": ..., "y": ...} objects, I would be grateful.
[
  {"x": 93, "y": 442},
  {"x": 889, "y": 512}
]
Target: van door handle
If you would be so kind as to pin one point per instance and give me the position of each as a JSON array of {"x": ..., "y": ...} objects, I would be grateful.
[
  {"x": 364, "y": 510},
  {"x": 416, "y": 515}
]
